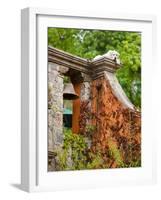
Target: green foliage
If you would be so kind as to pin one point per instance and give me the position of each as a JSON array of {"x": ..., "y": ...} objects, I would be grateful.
[
  {"x": 89, "y": 43},
  {"x": 62, "y": 159},
  {"x": 115, "y": 153},
  {"x": 95, "y": 161},
  {"x": 136, "y": 163},
  {"x": 76, "y": 151},
  {"x": 80, "y": 156},
  {"x": 66, "y": 79},
  {"x": 77, "y": 144},
  {"x": 90, "y": 129}
]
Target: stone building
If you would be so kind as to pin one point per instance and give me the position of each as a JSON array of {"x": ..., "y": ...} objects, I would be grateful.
[{"x": 101, "y": 99}]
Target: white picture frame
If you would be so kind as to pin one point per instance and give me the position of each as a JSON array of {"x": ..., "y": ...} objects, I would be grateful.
[{"x": 34, "y": 176}]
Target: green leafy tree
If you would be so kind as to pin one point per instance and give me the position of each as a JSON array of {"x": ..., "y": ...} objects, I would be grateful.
[{"x": 89, "y": 43}]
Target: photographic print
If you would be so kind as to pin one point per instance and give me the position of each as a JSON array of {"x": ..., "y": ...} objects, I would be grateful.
[{"x": 94, "y": 99}]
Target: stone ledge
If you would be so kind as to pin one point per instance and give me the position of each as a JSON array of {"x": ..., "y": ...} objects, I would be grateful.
[{"x": 92, "y": 67}]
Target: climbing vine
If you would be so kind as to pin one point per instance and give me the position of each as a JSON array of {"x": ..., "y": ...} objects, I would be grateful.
[
  {"x": 118, "y": 137},
  {"x": 75, "y": 154}
]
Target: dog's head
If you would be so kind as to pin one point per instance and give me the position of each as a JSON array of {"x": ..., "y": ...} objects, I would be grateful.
[{"x": 113, "y": 55}]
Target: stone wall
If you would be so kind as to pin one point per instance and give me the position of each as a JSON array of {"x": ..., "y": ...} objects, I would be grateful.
[
  {"x": 85, "y": 93},
  {"x": 55, "y": 107},
  {"x": 103, "y": 113}
]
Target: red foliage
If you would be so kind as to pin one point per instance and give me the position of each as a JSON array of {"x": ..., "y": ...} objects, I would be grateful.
[{"x": 113, "y": 122}]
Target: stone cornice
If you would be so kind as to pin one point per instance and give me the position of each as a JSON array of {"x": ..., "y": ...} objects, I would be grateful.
[
  {"x": 95, "y": 68},
  {"x": 106, "y": 63},
  {"x": 67, "y": 60},
  {"x": 102, "y": 65}
]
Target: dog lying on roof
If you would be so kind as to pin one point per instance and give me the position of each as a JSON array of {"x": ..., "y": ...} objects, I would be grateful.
[{"x": 111, "y": 54}]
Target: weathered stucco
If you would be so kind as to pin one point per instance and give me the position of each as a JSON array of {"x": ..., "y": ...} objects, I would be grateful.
[{"x": 117, "y": 90}]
